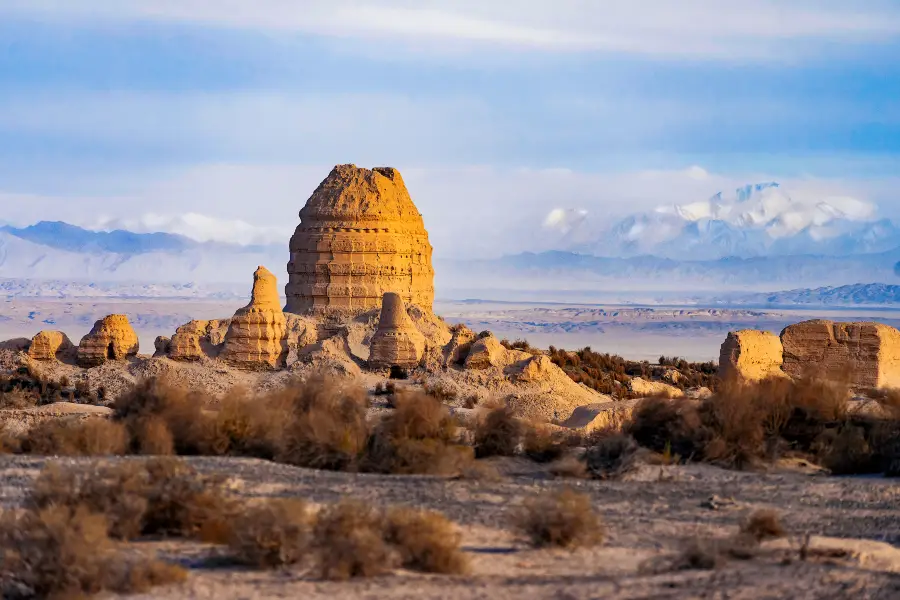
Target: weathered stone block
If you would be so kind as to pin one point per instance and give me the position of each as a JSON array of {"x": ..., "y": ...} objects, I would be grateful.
[
  {"x": 867, "y": 353},
  {"x": 750, "y": 355}
]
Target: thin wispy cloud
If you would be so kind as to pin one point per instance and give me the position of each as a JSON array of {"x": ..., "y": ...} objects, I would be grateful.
[{"x": 706, "y": 29}]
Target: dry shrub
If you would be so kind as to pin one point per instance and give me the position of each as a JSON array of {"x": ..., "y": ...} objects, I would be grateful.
[
  {"x": 498, "y": 432},
  {"x": 744, "y": 422},
  {"x": 763, "y": 525},
  {"x": 665, "y": 425},
  {"x": 564, "y": 519},
  {"x": 272, "y": 534},
  {"x": 18, "y": 398},
  {"x": 156, "y": 496},
  {"x": 63, "y": 551},
  {"x": 141, "y": 576},
  {"x": 418, "y": 437},
  {"x": 700, "y": 554},
  {"x": 349, "y": 542},
  {"x": 610, "y": 455},
  {"x": 251, "y": 426},
  {"x": 846, "y": 451},
  {"x": 328, "y": 429},
  {"x": 182, "y": 502},
  {"x": 426, "y": 541},
  {"x": 153, "y": 437},
  {"x": 544, "y": 444},
  {"x": 569, "y": 467},
  {"x": 56, "y": 551},
  {"x": 94, "y": 436},
  {"x": 158, "y": 400},
  {"x": 118, "y": 492}
]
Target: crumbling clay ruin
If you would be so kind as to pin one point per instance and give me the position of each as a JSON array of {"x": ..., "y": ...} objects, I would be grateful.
[
  {"x": 256, "y": 335},
  {"x": 396, "y": 342},
  {"x": 47, "y": 345},
  {"x": 360, "y": 236},
  {"x": 750, "y": 355},
  {"x": 112, "y": 338},
  {"x": 197, "y": 340},
  {"x": 866, "y": 354}
]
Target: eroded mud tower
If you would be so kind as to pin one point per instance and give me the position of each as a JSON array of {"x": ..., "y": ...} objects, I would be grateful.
[
  {"x": 396, "y": 342},
  {"x": 360, "y": 236},
  {"x": 256, "y": 335}
]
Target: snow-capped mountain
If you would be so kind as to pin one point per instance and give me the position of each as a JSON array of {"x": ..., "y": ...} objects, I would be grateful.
[{"x": 753, "y": 221}]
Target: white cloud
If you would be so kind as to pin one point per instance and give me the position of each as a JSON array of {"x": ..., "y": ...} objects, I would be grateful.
[
  {"x": 202, "y": 228},
  {"x": 688, "y": 28},
  {"x": 469, "y": 211}
]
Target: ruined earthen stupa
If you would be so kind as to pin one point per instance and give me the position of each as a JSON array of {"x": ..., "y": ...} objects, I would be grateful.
[
  {"x": 47, "y": 344},
  {"x": 360, "y": 236},
  {"x": 396, "y": 341},
  {"x": 112, "y": 338},
  {"x": 256, "y": 336}
]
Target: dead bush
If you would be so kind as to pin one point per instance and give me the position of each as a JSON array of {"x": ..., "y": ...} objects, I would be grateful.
[
  {"x": 498, "y": 432},
  {"x": 153, "y": 437},
  {"x": 94, "y": 436},
  {"x": 18, "y": 398},
  {"x": 569, "y": 467},
  {"x": 61, "y": 551},
  {"x": 665, "y": 425},
  {"x": 610, "y": 455},
  {"x": 245, "y": 425},
  {"x": 118, "y": 492},
  {"x": 700, "y": 554},
  {"x": 158, "y": 399},
  {"x": 544, "y": 444},
  {"x": 426, "y": 541},
  {"x": 182, "y": 502},
  {"x": 418, "y": 437},
  {"x": 328, "y": 429},
  {"x": 141, "y": 497},
  {"x": 743, "y": 423},
  {"x": 56, "y": 551},
  {"x": 272, "y": 534},
  {"x": 763, "y": 525},
  {"x": 349, "y": 542},
  {"x": 564, "y": 519},
  {"x": 137, "y": 577}
]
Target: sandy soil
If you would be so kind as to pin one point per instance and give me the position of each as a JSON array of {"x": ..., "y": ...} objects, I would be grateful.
[{"x": 649, "y": 518}]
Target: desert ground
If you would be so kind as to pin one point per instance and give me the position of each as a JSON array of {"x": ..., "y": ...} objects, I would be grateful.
[{"x": 650, "y": 518}]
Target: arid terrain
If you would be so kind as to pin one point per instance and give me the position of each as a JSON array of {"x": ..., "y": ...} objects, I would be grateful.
[{"x": 649, "y": 519}]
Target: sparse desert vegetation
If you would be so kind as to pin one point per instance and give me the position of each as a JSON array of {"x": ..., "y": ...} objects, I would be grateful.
[
  {"x": 610, "y": 374},
  {"x": 137, "y": 482}
]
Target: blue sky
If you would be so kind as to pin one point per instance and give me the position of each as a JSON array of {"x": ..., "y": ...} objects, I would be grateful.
[{"x": 496, "y": 112}]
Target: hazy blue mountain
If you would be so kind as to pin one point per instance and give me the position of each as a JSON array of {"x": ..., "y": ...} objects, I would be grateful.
[
  {"x": 875, "y": 294},
  {"x": 63, "y": 236}
]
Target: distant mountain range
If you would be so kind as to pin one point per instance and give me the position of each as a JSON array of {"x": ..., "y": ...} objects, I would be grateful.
[
  {"x": 62, "y": 260},
  {"x": 869, "y": 294},
  {"x": 60, "y": 251},
  {"x": 759, "y": 220}
]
